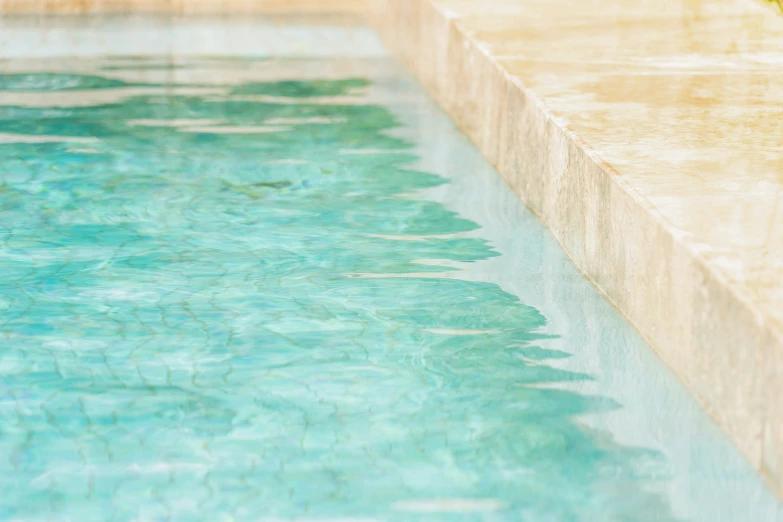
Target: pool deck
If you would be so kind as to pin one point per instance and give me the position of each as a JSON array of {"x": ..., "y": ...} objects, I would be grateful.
[{"x": 647, "y": 136}]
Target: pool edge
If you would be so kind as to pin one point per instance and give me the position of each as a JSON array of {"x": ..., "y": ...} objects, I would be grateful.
[
  {"x": 66, "y": 7},
  {"x": 630, "y": 253}
]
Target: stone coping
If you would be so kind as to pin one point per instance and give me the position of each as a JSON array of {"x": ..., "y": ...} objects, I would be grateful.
[
  {"x": 35, "y": 36},
  {"x": 647, "y": 136},
  {"x": 776, "y": 4}
]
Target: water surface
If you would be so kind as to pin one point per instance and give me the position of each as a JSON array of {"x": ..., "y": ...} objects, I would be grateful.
[{"x": 283, "y": 289}]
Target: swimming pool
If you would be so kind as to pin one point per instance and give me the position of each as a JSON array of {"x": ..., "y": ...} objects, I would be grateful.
[{"x": 271, "y": 285}]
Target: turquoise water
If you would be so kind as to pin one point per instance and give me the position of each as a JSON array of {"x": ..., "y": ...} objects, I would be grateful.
[{"x": 245, "y": 303}]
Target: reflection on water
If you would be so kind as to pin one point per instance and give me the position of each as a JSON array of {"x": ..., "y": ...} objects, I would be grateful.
[{"x": 236, "y": 305}]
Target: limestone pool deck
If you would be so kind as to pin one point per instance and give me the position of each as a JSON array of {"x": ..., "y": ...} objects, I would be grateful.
[{"x": 648, "y": 136}]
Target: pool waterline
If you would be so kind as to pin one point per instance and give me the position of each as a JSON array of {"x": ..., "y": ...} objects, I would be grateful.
[{"x": 433, "y": 227}]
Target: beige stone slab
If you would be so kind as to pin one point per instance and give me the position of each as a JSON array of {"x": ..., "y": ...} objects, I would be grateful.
[
  {"x": 777, "y": 5},
  {"x": 649, "y": 137}
]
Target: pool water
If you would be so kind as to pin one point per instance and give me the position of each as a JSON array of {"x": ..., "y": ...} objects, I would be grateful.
[{"x": 239, "y": 288}]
